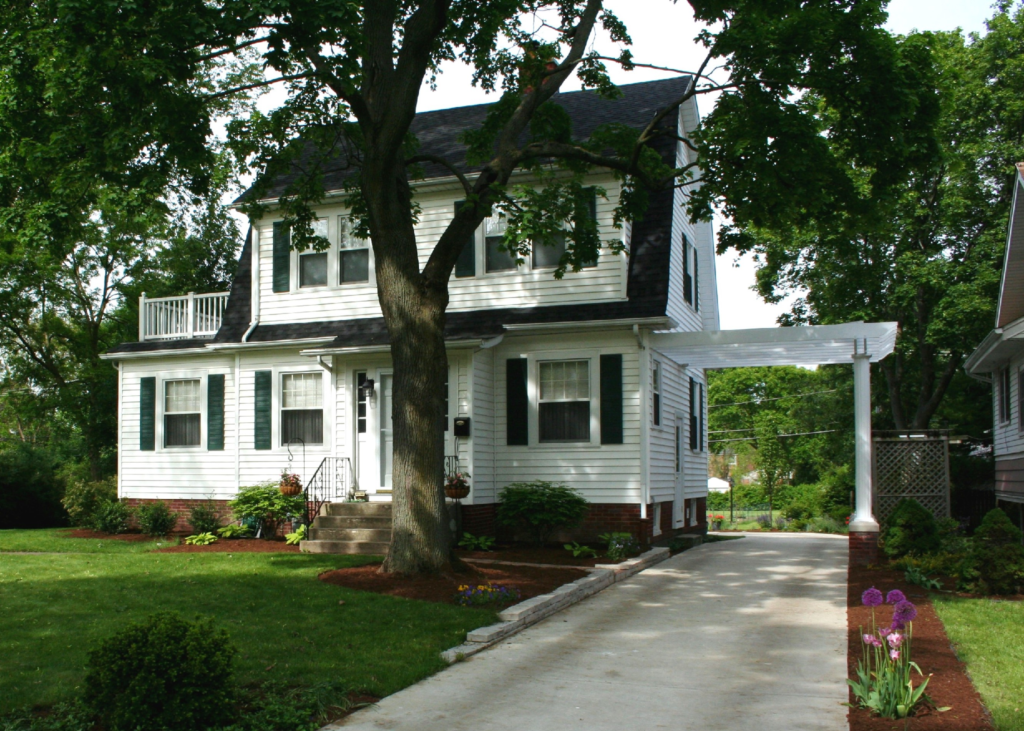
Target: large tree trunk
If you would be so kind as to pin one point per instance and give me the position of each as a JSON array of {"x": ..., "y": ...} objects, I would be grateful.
[{"x": 414, "y": 312}]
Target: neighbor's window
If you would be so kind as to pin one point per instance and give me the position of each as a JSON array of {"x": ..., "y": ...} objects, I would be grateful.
[
  {"x": 313, "y": 265},
  {"x": 657, "y": 393},
  {"x": 1003, "y": 389},
  {"x": 182, "y": 415},
  {"x": 498, "y": 260},
  {"x": 302, "y": 412},
  {"x": 353, "y": 255},
  {"x": 564, "y": 408}
]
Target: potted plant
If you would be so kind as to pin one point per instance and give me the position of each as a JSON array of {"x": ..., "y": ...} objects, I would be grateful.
[
  {"x": 290, "y": 483},
  {"x": 456, "y": 486}
]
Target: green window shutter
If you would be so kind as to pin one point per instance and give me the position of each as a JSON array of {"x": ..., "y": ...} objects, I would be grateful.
[
  {"x": 517, "y": 402},
  {"x": 611, "y": 399},
  {"x": 696, "y": 283},
  {"x": 262, "y": 401},
  {"x": 592, "y": 203},
  {"x": 694, "y": 423},
  {"x": 215, "y": 412},
  {"x": 147, "y": 414},
  {"x": 282, "y": 257},
  {"x": 465, "y": 265}
]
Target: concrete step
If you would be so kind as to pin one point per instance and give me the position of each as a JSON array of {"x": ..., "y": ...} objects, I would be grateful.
[
  {"x": 356, "y": 535},
  {"x": 340, "y": 522},
  {"x": 372, "y": 548},
  {"x": 375, "y": 510}
]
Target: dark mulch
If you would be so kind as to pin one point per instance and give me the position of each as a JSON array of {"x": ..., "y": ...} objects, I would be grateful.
[
  {"x": 234, "y": 545},
  {"x": 949, "y": 684},
  {"x": 529, "y": 553},
  {"x": 531, "y": 581},
  {"x": 87, "y": 533}
]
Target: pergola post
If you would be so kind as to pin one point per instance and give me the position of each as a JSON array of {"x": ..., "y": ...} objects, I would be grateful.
[{"x": 863, "y": 526}]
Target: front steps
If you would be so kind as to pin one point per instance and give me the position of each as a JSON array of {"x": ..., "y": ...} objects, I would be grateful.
[{"x": 351, "y": 528}]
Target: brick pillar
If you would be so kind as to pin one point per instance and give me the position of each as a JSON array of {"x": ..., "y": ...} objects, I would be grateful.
[{"x": 864, "y": 548}]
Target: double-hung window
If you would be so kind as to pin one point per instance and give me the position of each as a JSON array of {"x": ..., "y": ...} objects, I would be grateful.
[
  {"x": 302, "y": 412},
  {"x": 696, "y": 415},
  {"x": 691, "y": 281},
  {"x": 564, "y": 401},
  {"x": 313, "y": 264},
  {"x": 1003, "y": 394},
  {"x": 549, "y": 255},
  {"x": 353, "y": 255},
  {"x": 498, "y": 260},
  {"x": 656, "y": 382},
  {"x": 182, "y": 413}
]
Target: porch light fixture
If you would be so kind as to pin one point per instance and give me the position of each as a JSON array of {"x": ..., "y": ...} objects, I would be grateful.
[{"x": 367, "y": 388}]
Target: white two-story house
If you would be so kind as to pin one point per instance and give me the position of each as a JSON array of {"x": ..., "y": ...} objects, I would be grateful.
[
  {"x": 548, "y": 380},
  {"x": 1000, "y": 360}
]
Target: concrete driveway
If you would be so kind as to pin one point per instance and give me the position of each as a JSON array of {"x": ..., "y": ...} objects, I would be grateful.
[{"x": 747, "y": 634}]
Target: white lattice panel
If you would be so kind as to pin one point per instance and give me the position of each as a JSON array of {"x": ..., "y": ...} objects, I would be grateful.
[{"x": 911, "y": 468}]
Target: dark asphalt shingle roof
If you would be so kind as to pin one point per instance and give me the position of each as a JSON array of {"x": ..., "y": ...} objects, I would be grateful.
[{"x": 650, "y": 248}]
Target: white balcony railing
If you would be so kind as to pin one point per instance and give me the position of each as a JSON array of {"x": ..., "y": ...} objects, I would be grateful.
[{"x": 176, "y": 318}]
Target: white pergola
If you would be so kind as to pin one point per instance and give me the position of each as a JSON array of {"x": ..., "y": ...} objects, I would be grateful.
[{"x": 859, "y": 343}]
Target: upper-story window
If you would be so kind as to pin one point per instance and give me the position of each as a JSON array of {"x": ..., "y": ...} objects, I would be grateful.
[
  {"x": 313, "y": 264},
  {"x": 564, "y": 403},
  {"x": 1003, "y": 393},
  {"x": 182, "y": 413},
  {"x": 691, "y": 280},
  {"x": 353, "y": 255},
  {"x": 696, "y": 415},
  {"x": 497, "y": 259},
  {"x": 302, "y": 409}
]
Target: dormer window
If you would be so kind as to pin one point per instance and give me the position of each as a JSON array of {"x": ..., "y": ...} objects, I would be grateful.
[
  {"x": 498, "y": 260},
  {"x": 353, "y": 255},
  {"x": 691, "y": 291},
  {"x": 313, "y": 265}
]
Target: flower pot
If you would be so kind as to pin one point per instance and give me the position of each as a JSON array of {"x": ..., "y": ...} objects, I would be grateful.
[
  {"x": 456, "y": 492},
  {"x": 290, "y": 488}
]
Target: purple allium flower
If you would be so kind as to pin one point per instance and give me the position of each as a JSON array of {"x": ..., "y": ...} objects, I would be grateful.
[
  {"x": 905, "y": 610},
  {"x": 872, "y": 597},
  {"x": 895, "y": 597}
]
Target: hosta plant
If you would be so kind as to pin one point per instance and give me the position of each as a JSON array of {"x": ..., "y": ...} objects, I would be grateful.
[
  {"x": 884, "y": 682},
  {"x": 580, "y": 551},
  {"x": 201, "y": 539},
  {"x": 294, "y": 539},
  {"x": 476, "y": 543},
  {"x": 234, "y": 530}
]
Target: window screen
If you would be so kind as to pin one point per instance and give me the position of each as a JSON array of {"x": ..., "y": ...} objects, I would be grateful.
[
  {"x": 564, "y": 404},
  {"x": 313, "y": 265},
  {"x": 494, "y": 233},
  {"x": 302, "y": 414},
  {"x": 182, "y": 415},
  {"x": 353, "y": 255}
]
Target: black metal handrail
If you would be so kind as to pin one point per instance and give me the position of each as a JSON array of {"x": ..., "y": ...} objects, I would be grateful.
[
  {"x": 332, "y": 482},
  {"x": 451, "y": 465}
]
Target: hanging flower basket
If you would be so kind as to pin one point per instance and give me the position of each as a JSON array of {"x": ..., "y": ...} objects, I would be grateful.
[
  {"x": 456, "y": 486},
  {"x": 290, "y": 484}
]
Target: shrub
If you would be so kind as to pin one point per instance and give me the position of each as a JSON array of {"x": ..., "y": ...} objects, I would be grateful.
[
  {"x": 764, "y": 520},
  {"x": 801, "y": 502},
  {"x": 31, "y": 488},
  {"x": 162, "y": 674},
  {"x": 112, "y": 517},
  {"x": 266, "y": 503},
  {"x": 910, "y": 530},
  {"x": 824, "y": 524},
  {"x": 996, "y": 564},
  {"x": 718, "y": 501},
  {"x": 203, "y": 518},
  {"x": 540, "y": 508},
  {"x": 83, "y": 498},
  {"x": 620, "y": 545},
  {"x": 156, "y": 519}
]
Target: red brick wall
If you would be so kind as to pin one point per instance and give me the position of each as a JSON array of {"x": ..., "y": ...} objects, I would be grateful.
[
  {"x": 863, "y": 548},
  {"x": 182, "y": 507},
  {"x": 479, "y": 520},
  {"x": 601, "y": 518},
  {"x": 666, "y": 517}
]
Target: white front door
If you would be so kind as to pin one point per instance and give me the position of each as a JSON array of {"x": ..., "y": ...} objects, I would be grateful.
[{"x": 386, "y": 440}]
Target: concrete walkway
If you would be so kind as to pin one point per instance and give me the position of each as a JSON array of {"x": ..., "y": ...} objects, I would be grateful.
[{"x": 747, "y": 635}]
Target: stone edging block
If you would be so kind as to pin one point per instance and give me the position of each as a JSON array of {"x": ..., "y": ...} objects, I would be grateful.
[{"x": 520, "y": 616}]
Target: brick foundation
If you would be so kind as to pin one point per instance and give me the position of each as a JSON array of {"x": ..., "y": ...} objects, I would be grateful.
[
  {"x": 181, "y": 508},
  {"x": 479, "y": 520},
  {"x": 601, "y": 518},
  {"x": 864, "y": 548},
  {"x": 666, "y": 517}
]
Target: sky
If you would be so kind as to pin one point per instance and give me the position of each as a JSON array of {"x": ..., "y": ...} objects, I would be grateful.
[{"x": 662, "y": 34}]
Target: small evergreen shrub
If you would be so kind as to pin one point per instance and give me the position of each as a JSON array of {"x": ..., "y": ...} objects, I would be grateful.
[
  {"x": 203, "y": 518},
  {"x": 112, "y": 517},
  {"x": 268, "y": 505},
  {"x": 156, "y": 519},
  {"x": 163, "y": 674},
  {"x": 540, "y": 508},
  {"x": 910, "y": 530},
  {"x": 620, "y": 545},
  {"x": 996, "y": 564},
  {"x": 82, "y": 499}
]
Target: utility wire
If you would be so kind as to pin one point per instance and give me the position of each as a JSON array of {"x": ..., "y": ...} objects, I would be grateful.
[
  {"x": 775, "y": 398},
  {"x": 754, "y": 439}
]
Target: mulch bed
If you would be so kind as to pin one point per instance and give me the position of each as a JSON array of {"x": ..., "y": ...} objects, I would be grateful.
[
  {"x": 949, "y": 684},
  {"x": 86, "y": 533},
  {"x": 234, "y": 545},
  {"x": 531, "y": 581},
  {"x": 527, "y": 553}
]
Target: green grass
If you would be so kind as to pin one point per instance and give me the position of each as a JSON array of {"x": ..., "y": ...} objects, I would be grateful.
[
  {"x": 288, "y": 626},
  {"x": 57, "y": 540},
  {"x": 989, "y": 637}
]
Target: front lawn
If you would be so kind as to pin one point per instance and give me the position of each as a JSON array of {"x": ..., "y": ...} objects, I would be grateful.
[
  {"x": 58, "y": 540},
  {"x": 289, "y": 626},
  {"x": 989, "y": 637}
]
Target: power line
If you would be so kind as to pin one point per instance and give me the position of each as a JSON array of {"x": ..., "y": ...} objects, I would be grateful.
[
  {"x": 775, "y": 398},
  {"x": 754, "y": 439}
]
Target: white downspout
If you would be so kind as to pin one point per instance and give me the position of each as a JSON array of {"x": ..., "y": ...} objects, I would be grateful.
[
  {"x": 238, "y": 422},
  {"x": 120, "y": 425},
  {"x": 254, "y": 295}
]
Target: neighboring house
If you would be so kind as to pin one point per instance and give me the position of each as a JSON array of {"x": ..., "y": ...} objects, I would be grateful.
[
  {"x": 549, "y": 380},
  {"x": 717, "y": 484},
  {"x": 1000, "y": 360}
]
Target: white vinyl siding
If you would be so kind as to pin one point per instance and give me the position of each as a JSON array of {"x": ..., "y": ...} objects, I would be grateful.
[
  {"x": 1008, "y": 436},
  {"x": 665, "y": 451}
]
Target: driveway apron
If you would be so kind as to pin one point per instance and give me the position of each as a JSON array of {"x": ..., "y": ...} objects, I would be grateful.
[{"x": 745, "y": 635}]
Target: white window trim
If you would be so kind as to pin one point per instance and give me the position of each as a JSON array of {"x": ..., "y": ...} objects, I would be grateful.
[
  {"x": 533, "y": 361},
  {"x": 279, "y": 409},
  {"x": 333, "y": 262},
  {"x": 1004, "y": 381},
  {"x": 276, "y": 399},
  {"x": 161, "y": 403}
]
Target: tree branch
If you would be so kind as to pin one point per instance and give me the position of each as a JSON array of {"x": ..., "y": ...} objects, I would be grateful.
[
  {"x": 269, "y": 82},
  {"x": 437, "y": 160}
]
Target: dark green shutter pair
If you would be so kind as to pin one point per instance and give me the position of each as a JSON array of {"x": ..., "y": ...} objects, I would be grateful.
[
  {"x": 465, "y": 265},
  {"x": 518, "y": 403},
  {"x": 214, "y": 413},
  {"x": 282, "y": 257}
]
